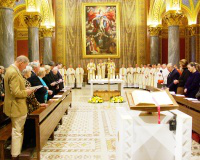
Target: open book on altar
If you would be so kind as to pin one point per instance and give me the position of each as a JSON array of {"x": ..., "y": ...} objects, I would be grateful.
[
  {"x": 147, "y": 101},
  {"x": 151, "y": 98}
]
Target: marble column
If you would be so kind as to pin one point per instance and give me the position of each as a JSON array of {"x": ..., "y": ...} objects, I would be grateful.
[
  {"x": 154, "y": 44},
  {"x": 6, "y": 33},
  {"x": 173, "y": 19},
  {"x": 192, "y": 43},
  {"x": 47, "y": 55},
  {"x": 173, "y": 45},
  {"x": 33, "y": 22}
]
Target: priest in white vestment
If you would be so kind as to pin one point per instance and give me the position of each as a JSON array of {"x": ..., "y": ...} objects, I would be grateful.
[
  {"x": 123, "y": 74},
  {"x": 101, "y": 69},
  {"x": 130, "y": 76},
  {"x": 150, "y": 75},
  {"x": 157, "y": 76},
  {"x": 143, "y": 73},
  {"x": 91, "y": 68},
  {"x": 111, "y": 69},
  {"x": 136, "y": 76},
  {"x": 63, "y": 72},
  {"x": 71, "y": 76},
  {"x": 79, "y": 76},
  {"x": 146, "y": 76},
  {"x": 165, "y": 73},
  {"x": 153, "y": 75},
  {"x": 141, "y": 76}
]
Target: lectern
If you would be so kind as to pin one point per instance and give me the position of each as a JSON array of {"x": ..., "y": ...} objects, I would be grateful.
[{"x": 140, "y": 137}]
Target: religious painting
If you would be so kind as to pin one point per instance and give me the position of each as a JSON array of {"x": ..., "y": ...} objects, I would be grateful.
[{"x": 100, "y": 30}]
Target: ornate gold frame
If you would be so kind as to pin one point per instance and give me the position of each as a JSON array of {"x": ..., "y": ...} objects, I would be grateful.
[{"x": 84, "y": 5}]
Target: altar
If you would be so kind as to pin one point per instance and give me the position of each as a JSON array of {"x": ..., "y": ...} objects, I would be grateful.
[
  {"x": 107, "y": 82},
  {"x": 139, "y": 137}
]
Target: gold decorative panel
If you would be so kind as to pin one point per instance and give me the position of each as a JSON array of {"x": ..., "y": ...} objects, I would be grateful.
[{"x": 133, "y": 28}]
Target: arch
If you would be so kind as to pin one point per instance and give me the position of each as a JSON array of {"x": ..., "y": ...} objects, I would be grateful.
[
  {"x": 19, "y": 9},
  {"x": 154, "y": 11},
  {"x": 47, "y": 14},
  {"x": 158, "y": 9},
  {"x": 197, "y": 11}
]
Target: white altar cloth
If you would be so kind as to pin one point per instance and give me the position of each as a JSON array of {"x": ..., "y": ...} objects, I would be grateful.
[
  {"x": 139, "y": 137},
  {"x": 106, "y": 81}
]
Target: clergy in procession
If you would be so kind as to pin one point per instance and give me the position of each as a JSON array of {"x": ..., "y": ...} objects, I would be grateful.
[
  {"x": 71, "y": 76},
  {"x": 158, "y": 78},
  {"x": 150, "y": 75},
  {"x": 101, "y": 69},
  {"x": 111, "y": 69},
  {"x": 79, "y": 76},
  {"x": 145, "y": 76},
  {"x": 91, "y": 68},
  {"x": 130, "y": 76},
  {"x": 63, "y": 72},
  {"x": 136, "y": 75},
  {"x": 122, "y": 75},
  {"x": 165, "y": 73},
  {"x": 141, "y": 75},
  {"x": 153, "y": 75}
]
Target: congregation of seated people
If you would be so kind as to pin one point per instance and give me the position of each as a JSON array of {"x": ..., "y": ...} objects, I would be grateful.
[{"x": 184, "y": 80}]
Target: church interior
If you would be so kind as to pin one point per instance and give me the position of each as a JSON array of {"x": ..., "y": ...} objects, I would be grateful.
[{"x": 100, "y": 79}]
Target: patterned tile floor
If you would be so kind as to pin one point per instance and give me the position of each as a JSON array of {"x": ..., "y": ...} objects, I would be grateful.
[{"x": 88, "y": 131}]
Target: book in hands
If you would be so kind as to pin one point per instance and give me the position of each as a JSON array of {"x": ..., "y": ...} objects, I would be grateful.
[
  {"x": 151, "y": 98},
  {"x": 36, "y": 87}
]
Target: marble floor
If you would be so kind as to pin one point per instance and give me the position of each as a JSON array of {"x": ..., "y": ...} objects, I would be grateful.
[{"x": 88, "y": 131}]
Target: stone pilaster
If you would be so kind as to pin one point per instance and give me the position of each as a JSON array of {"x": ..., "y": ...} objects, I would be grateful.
[
  {"x": 192, "y": 43},
  {"x": 47, "y": 55},
  {"x": 6, "y": 32},
  {"x": 154, "y": 44},
  {"x": 33, "y": 21},
  {"x": 173, "y": 18}
]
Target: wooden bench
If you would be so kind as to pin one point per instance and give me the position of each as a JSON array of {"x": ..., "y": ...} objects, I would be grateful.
[
  {"x": 5, "y": 134},
  {"x": 47, "y": 119},
  {"x": 192, "y": 109},
  {"x": 5, "y": 131}
]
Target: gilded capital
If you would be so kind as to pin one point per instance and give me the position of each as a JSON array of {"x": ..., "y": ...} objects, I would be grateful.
[
  {"x": 7, "y": 3},
  {"x": 192, "y": 29},
  {"x": 155, "y": 31},
  {"x": 173, "y": 18},
  {"x": 47, "y": 32},
  {"x": 33, "y": 19}
]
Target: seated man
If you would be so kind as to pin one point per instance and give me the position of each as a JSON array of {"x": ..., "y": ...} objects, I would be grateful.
[{"x": 173, "y": 75}]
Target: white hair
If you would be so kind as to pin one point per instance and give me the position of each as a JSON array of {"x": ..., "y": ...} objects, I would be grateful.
[
  {"x": 34, "y": 64},
  {"x": 26, "y": 70},
  {"x": 1, "y": 67},
  {"x": 170, "y": 65},
  {"x": 55, "y": 68},
  {"x": 41, "y": 71},
  {"x": 47, "y": 67}
]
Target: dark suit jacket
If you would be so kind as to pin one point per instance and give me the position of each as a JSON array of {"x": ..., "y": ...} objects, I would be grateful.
[
  {"x": 40, "y": 93},
  {"x": 48, "y": 80},
  {"x": 61, "y": 85},
  {"x": 174, "y": 75},
  {"x": 192, "y": 84},
  {"x": 33, "y": 73}
]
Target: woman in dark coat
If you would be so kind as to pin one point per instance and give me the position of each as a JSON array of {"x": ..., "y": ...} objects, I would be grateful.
[
  {"x": 192, "y": 84},
  {"x": 183, "y": 77}
]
